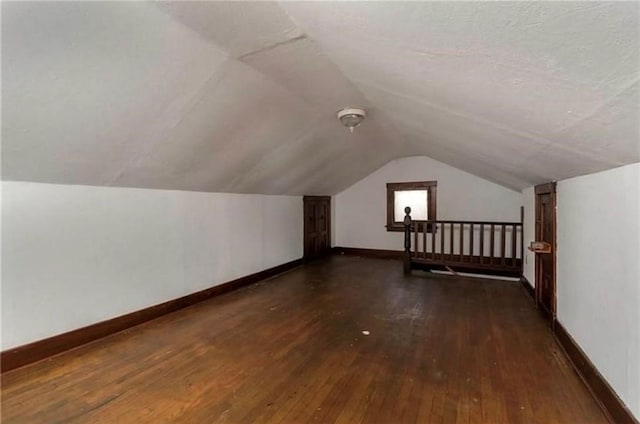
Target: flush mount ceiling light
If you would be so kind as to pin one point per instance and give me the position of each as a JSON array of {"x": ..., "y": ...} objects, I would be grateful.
[{"x": 351, "y": 117}]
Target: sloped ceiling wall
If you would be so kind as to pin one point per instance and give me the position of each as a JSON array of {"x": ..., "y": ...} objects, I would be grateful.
[{"x": 241, "y": 96}]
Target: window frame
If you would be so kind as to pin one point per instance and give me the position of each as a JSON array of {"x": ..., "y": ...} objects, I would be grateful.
[{"x": 430, "y": 186}]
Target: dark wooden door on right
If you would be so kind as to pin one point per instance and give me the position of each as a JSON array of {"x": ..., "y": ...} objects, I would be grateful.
[
  {"x": 546, "y": 262},
  {"x": 317, "y": 226}
]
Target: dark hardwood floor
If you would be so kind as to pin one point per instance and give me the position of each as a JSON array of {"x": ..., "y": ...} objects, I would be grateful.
[{"x": 291, "y": 350}]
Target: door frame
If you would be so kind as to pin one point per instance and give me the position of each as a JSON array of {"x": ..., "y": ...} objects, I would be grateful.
[{"x": 542, "y": 189}]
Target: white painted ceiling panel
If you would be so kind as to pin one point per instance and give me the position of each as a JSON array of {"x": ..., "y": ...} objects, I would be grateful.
[
  {"x": 577, "y": 41},
  {"x": 85, "y": 91},
  {"x": 296, "y": 64},
  {"x": 501, "y": 82},
  {"x": 241, "y": 96},
  {"x": 610, "y": 130},
  {"x": 460, "y": 156},
  {"x": 499, "y": 95},
  {"x": 238, "y": 117},
  {"x": 239, "y": 27}
]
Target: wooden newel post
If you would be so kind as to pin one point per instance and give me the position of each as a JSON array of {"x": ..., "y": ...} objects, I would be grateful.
[{"x": 406, "y": 257}]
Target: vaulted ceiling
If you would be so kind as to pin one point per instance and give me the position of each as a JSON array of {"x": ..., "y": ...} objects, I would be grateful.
[{"x": 241, "y": 96}]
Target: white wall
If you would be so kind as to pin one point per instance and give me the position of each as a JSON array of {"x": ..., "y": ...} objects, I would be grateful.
[
  {"x": 529, "y": 231},
  {"x": 361, "y": 209},
  {"x": 76, "y": 255},
  {"x": 598, "y": 276}
]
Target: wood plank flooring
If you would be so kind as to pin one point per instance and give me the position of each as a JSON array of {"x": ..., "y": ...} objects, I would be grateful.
[{"x": 291, "y": 350}]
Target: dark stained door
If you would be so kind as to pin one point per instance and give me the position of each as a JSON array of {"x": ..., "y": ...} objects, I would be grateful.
[
  {"x": 546, "y": 262},
  {"x": 317, "y": 226}
]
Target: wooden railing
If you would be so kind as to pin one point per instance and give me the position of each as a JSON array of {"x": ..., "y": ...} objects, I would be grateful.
[{"x": 482, "y": 247}]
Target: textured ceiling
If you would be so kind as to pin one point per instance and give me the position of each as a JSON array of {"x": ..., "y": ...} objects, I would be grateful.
[{"x": 241, "y": 96}]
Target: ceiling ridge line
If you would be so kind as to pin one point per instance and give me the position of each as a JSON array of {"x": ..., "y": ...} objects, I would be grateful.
[{"x": 272, "y": 46}]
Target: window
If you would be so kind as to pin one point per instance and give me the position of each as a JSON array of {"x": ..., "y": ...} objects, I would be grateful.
[{"x": 419, "y": 196}]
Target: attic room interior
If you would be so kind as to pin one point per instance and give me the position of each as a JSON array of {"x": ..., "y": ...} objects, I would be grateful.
[{"x": 285, "y": 212}]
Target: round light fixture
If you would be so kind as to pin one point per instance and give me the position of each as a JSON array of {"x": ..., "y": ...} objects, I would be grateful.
[{"x": 351, "y": 117}]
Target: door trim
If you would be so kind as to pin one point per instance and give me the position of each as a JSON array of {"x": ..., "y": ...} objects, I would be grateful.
[{"x": 541, "y": 189}]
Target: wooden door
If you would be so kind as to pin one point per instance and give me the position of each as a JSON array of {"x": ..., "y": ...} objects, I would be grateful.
[
  {"x": 546, "y": 262},
  {"x": 317, "y": 226}
]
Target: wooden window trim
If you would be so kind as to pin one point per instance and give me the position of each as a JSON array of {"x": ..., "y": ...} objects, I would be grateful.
[{"x": 430, "y": 186}]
